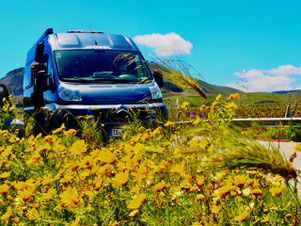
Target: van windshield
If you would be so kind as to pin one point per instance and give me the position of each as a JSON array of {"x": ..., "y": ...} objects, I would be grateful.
[{"x": 108, "y": 66}]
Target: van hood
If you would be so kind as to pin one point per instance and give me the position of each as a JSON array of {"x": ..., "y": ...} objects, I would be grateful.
[{"x": 112, "y": 93}]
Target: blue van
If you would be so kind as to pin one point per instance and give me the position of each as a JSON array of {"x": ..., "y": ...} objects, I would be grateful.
[{"x": 82, "y": 73}]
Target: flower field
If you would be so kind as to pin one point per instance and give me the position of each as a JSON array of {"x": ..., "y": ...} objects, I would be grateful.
[{"x": 202, "y": 173}]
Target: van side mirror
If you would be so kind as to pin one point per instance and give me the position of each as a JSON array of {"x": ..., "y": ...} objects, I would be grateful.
[
  {"x": 41, "y": 81},
  {"x": 39, "y": 52},
  {"x": 159, "y": 78}
]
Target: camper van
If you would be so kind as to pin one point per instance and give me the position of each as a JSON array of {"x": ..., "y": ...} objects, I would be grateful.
[{"x": 81, "y": 73}]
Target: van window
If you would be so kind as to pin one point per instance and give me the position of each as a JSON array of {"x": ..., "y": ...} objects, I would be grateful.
[{"x": 102, "y": 65}]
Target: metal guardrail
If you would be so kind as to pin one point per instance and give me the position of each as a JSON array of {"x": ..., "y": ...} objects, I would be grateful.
[
  {"x": 263, "y": 122},
  {"x": 266, "y": 122}
]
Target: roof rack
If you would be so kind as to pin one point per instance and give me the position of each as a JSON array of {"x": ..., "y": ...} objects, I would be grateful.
[{"x": 83, "y": 31}]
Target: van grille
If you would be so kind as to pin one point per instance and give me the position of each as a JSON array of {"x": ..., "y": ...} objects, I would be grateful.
[{"x": 121, "y": 116}]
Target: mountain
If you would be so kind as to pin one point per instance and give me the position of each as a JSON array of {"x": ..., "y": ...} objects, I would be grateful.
[{"x": 14, "y": 81}]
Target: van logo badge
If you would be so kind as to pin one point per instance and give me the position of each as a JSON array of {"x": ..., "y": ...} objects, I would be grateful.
[{"x": 121, "y": 108}]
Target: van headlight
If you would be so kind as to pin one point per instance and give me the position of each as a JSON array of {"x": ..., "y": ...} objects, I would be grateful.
[
  {"x": 155, "y": 92},
  {"x": 69, "y": 94}
]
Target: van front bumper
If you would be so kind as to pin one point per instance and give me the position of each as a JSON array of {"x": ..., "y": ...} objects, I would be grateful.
[{"x": 111, "y": 114}]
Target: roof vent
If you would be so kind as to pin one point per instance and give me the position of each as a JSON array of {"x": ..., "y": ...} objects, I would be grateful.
[{"x": 82, "y": 31}]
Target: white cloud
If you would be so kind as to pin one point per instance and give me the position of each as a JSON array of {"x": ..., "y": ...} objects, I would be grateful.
[
  {"x": 165, "y": 45},
  {"x": 267, "y": 80},
  {"x": 285, "y": 70}
]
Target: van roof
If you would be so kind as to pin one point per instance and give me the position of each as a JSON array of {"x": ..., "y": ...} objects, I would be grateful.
[{"x": 78, "y": 39}]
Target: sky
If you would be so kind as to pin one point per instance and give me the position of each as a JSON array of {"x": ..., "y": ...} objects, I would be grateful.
[{"x": 253, "y": 45}]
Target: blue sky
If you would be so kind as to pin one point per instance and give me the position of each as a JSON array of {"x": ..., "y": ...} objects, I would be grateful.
[{"x": 223, "y": 40}]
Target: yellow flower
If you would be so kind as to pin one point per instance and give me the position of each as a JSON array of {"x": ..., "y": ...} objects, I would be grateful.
[
  {"x": 136, "y": 202},
  {"x": 70, "y": 198},
  {"x": 200, "y": 180},
  {"x": 4, "y": 175},
  {"x": 27, "y": 193},
  {"x": 237, "y": 97},
  {"x": 242, "y": 216},
  {"x": 257, "y": 192},
  {"x": 106, "y": 156},
  {"x": 240, "y": 180},
  {"x": 78, "y": 147},
  {"x": 200, "y": 197},
  {"x": 219, "y": 96},
  {"x": 4, "y": 189},
  {"x": 8, "y": 214},
  {"x": 185, "y": 105},
  {"x": 76, "y": 221},
  {"x": 32, "y": 214},
  {"x": 215, "y": 209},
  {"x": 121, "y": 179},
  {"x": 59, "y": 130},
  {"x": 169, "y": 123},
  {"x": 159, "y": 187},
  {"x": 297, "y": 148},
  {"x": 276, "y": 190},
  {"x": 141, "y": 129},
  {"x": 166, "y": 144}
]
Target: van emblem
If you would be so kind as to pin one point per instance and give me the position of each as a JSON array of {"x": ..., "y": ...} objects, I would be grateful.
[{"x": 122, "y": 108}]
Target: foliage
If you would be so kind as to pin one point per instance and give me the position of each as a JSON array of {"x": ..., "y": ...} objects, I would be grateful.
[{"x": 200, "y": 173}]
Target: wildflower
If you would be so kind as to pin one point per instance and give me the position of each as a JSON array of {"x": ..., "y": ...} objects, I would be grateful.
[
  {"x": 78, "y": 147},
  {"x": 121, "y": 179},
  {"x": 159, "y": 187},
  {"x": 200, "y": 180},
  {"x": 8, "y": 214},
  {"x": 4, "y": 175},
  {"x": 219, "y": 96},
  {"x": 223, "y": 191},
  {"x": 185, "y": 105},
  {"x": 297, "y": 148},
  {"x": 141, "y": 129},
  {"x": 215, "y": 209},
  {"x": 237, "y": 97},
  {"x": 76, "y": 221},
  {"x": 166, "y": 144},
  {"x": 32, "y": 214},
  {"x": 200, "y": 197},
  {"x": 106, "y": 156},
  {"x": 27, "y": 193},
  {"x": 240, "y": 180},
  {"x": 242, "y": 216},
  {"x": 196, "y": 121},
  {"x": 4, "y": 189},
  {"x": 70, "y": 198},
  {"x": 257, "y": 192},
  {"x": 180, "y": 169},
  {"x": 70, "y": 133},
  {"x": 169, "y": 124},
  {"x": 136, "y": 202},
  {"x": 275, "y": 191},
  {"x": 202, "y": 115}
]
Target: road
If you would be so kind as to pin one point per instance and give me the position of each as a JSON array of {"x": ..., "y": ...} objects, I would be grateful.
[{"x": 287, "y": 148}]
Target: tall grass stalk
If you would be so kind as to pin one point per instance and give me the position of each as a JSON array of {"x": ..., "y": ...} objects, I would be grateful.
[{"x": 177, "y": 72}]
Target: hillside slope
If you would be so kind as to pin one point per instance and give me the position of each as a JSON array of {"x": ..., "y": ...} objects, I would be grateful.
[{"x": 14, "y": 81}]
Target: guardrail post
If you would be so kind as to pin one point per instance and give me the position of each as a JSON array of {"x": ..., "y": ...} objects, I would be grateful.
[{"x": 287, "y": 112}]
